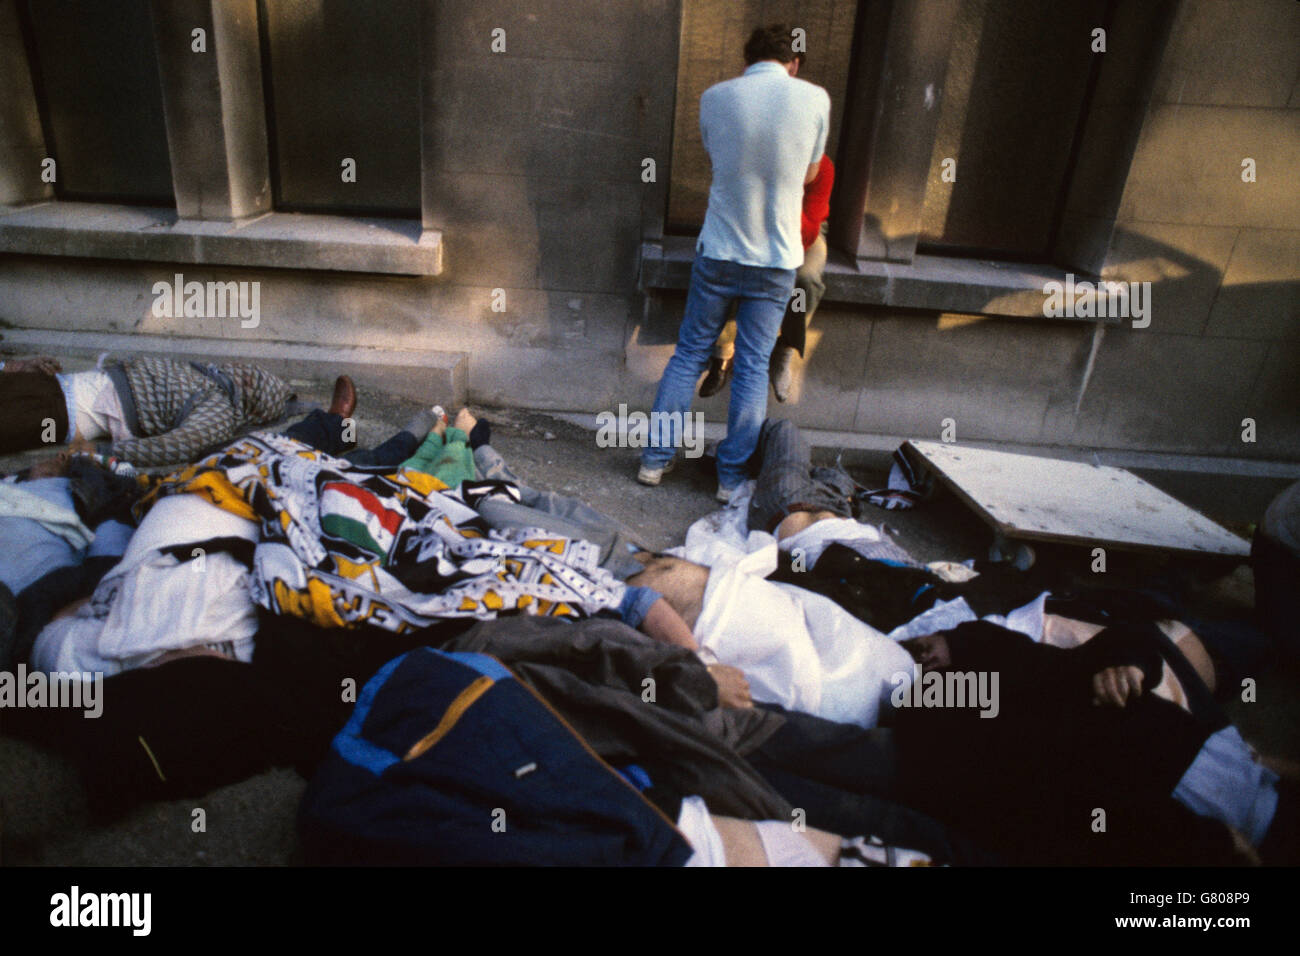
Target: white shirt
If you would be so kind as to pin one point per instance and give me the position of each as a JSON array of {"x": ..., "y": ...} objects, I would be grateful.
[
  {"x": 150, "y": 604},
  {"x": 762, "y": 130},
  {"x": 818, "y": 536},
  {"x": 94, "y": 407},
  {"x": 797, "y": 649}
]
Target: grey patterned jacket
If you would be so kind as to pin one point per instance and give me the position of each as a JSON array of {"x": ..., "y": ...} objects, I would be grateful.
[{"x": 175, "y": 410}]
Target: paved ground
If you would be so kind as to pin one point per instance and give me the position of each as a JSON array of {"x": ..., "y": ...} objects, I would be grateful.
[{"x": 43, "y": 817}]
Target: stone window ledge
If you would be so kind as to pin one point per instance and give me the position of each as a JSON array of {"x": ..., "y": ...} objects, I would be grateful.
[
  {"x": 931, "y": 283},
  {"x": 275, "y": 240}
]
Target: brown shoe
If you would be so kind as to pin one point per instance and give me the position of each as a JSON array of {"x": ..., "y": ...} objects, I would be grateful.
[
  {"x": 717, "y": 377},
  {"x": 345, "y": 397}
]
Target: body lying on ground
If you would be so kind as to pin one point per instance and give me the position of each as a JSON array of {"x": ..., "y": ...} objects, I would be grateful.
[
  {"x": 148, "y": 411},
  {"x": 752, "y": 763},
  {"x": 65, "y": 522},
  {"x": 276, "y": 521},
  {"x": 1107, "y": 749}
]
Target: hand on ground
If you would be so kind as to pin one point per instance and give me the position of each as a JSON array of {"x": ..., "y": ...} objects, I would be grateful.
[{"x": 733, "y": 688}]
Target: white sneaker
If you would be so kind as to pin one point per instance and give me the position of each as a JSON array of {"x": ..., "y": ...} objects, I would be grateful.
[
  {"x": 652, "y": 476},
  {"x": 724, "y": 494}
]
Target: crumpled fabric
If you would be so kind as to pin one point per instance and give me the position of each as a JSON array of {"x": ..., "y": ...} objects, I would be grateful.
[
  {"x": 637, "y": 700},
  {"x": 343, "y": 545},
  {"x": 1029, "y": 619},
  {"x": 17, "y": 502},
  {"x": 797, "y": 648},
  {"x": 170, "y": 591}
]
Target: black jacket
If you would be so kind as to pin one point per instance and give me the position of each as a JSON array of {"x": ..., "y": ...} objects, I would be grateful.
[{"x": 1029, "y": 782}]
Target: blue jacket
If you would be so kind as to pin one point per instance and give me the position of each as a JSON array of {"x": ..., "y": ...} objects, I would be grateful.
[{"x": 449, "y": 760}]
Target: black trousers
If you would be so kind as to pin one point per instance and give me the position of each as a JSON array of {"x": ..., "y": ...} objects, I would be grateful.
[
  {"x": 324, "y": 430},
  {"x": 843, "y": 777}
]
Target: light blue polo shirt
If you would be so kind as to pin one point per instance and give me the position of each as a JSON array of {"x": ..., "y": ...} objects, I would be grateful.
[{"x": 762, "y": 131}]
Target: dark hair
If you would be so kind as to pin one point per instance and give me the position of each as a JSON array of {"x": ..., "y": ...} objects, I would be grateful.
[{"x": 770, "y": 43}]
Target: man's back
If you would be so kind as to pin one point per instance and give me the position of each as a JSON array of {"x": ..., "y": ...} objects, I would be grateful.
[{"x": 762, "y": 131}]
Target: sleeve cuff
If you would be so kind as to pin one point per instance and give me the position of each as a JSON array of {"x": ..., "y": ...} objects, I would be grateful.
[{"x": 636, "y": 604}]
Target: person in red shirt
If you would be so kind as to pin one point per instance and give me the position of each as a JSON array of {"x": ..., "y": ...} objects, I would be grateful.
[{"x": 809, "y": 289}]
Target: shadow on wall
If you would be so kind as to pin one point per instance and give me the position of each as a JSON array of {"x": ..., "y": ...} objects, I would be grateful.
[{"x": 1212, "y": 349}]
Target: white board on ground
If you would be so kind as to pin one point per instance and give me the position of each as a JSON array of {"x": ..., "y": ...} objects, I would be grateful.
[{"x": 1047, "y": 499}]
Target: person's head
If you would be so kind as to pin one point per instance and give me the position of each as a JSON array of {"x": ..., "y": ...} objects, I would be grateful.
[
  {"x": 773, "y": 42},
  {"x": 53, "y": 466},
  {"x": 929, "y": 650}
]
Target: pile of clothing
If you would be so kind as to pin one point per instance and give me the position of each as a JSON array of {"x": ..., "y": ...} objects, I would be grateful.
[{"x": 461, "y": 691}]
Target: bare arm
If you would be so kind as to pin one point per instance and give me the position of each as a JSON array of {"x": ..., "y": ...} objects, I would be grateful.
[
  {"x": 812, "y": 172},
  {"x": 665, "y": 624}
]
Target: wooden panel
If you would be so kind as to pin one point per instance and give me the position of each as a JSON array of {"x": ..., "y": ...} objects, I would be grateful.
[{"x": 1046, "y": 499}]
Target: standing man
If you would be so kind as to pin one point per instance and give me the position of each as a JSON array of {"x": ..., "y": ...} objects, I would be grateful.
[
  {"x": 765, "y": 132},
  {"x": 816, "y": 207}
]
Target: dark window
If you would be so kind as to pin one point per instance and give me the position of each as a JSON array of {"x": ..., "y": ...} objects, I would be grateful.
[
  {"x": 712, "y": 50},
  {"x": 1015, "y": 90},
  {"x": 96, "y": 79},
  {"x": 342, "y": 81}
]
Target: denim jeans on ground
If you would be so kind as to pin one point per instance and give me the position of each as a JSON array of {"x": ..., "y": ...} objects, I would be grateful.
[
  {"x": 558, "y": 514},
  {"x": 762, "y": 295},
  {"x": 788, "y": 482}
]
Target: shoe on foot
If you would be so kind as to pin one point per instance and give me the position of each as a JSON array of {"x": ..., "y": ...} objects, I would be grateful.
[
  {"x": 781, "y": 371},
  {"x": 724, "y": 494},
  {"x": 652, "y": 476},
  {"x": 345, "y": 397},
  {"x": 717, "y": 377}
]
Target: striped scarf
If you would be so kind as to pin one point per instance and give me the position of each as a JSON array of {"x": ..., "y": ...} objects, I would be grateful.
[{"x": 343, "y": 545}]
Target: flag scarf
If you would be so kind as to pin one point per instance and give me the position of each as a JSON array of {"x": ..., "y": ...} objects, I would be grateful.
[{"x": 343, "y": 545}]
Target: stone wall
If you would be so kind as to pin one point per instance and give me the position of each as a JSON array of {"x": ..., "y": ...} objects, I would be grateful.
[{"x": 532, "y": 162}]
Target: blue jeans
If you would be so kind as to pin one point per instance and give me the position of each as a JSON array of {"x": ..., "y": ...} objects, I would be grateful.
[
  {"x": 557, "y": 514},
  {"x": 761, "y": 296}
]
